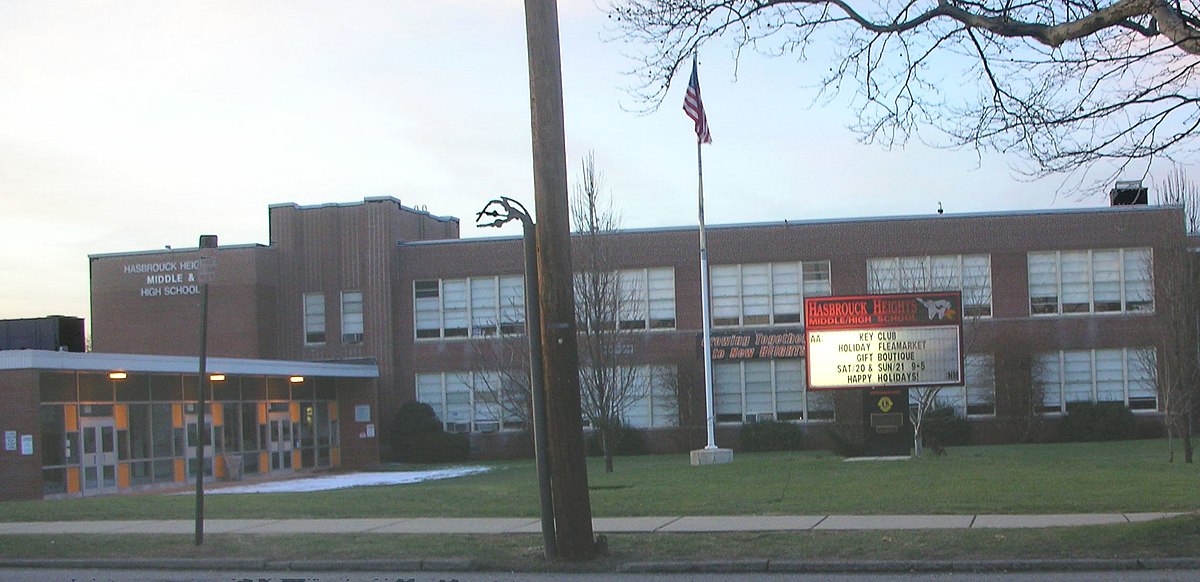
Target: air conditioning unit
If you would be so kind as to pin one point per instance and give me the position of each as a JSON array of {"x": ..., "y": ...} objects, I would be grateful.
[
  {"x": 458, "y": 427},
  {"x": 491, "y": 426},
  {"x": 761, "y": 417}
]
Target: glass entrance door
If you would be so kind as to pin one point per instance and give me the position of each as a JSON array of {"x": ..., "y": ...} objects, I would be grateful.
[
  {"x": 280, "y": 440},
  {"x": 189, "y": 452},
  {"x": 99, "y": 444}
]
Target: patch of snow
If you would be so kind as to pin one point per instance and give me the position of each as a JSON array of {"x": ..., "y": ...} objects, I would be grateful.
[{"x": 348, "y": 480}]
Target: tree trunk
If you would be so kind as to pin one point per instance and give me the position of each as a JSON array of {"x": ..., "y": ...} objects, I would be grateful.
[
  {"x": 1187, "y": 438},
  {"x": 608, "y": 457},
  {"x": 1170, "y": 424}
]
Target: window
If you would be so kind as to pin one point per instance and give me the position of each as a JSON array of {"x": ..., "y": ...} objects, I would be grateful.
[
  {"x": 314, "y": 318},
  {"x": 977, "y": 397},
  {"x": 474, "y": 401},
  {"x": 1125, "y": 375},
  {"x": 474, "y": 307},
  {"x": 755, "y": 390},
  {"x": 969, "y": 274},
  {"x": 352, "y": 317},
  {"x": 766, "y": 293},
  {"x": 655, "y": 403},
  {"x": 1091, "y": 281},
  {"x": 635, "y": 299}
]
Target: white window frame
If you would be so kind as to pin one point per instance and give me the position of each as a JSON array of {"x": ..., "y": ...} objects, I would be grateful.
[
  {"x": 774, "y": 372},
  {"x": 766, "y": 294},
  {"x": 1050, "y": 284},
  {"x": 313, "y": 306},
  {"x": 450, "y": 308},
  {"x": 352, "y": 319},
  {"x": 478, "y": 414},
  {"x": 1058, "y": 370},
  {"x": 936, "y": 273},
  {"x": 657, "y": 406}
]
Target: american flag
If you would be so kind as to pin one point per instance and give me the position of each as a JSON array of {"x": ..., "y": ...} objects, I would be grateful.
[{"x": 694, "y": 107}]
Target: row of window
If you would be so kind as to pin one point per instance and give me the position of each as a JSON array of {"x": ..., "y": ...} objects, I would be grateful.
[
  {"x": 352, "y": 317},
  {"x": 1125, "y": 375},
  {"x": 494, "y": 401},
  {"x": 756, "y": 390},
  {"x": 766, "y": 294},
  {"x": 474, "y": 307},
  {"x": 970, "y": 274},
  {"x": 630, "y": 299},
  {"x": 1060, "y": 282},
  {"x": 1091, "y": 281}
]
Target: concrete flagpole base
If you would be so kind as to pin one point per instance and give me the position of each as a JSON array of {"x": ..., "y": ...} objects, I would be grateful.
[{"x": 711, "y": 457}]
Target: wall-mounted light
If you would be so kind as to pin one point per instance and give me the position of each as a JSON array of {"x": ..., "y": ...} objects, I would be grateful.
[
  {"x": 217, "y": 378},
  {"x": 296, "y": 379},
  {"x": 117, "y": 375}
]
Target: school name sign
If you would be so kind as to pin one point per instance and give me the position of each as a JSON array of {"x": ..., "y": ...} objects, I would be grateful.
[{"x": 897, "y": 340}]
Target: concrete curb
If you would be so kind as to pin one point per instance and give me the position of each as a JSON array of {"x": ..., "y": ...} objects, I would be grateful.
[
  {"x": 898, "y": 566},
  {"x": 710, "y": 567},
  {"x": 415, "y": 565}
]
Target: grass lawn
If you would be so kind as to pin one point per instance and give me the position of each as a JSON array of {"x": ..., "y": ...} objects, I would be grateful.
[
  {"x": 1130, "y": 476},
  {"x": 1062, "y": 478}
]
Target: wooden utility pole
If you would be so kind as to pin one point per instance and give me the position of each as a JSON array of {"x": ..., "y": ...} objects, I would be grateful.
[{"x": 567, "y": 454}]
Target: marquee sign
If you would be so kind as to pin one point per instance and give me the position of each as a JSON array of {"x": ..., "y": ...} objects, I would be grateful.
[{"x": 897, "y": 340}]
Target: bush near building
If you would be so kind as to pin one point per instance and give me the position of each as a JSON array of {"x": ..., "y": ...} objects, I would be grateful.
[
  {"x": 943, "y": 427},
  {"x": 626, "y": 442},
  {"x": 419, "y": 437},
  {"x": 1100, "y": 421},
  {"x": 772, "y": 435}
]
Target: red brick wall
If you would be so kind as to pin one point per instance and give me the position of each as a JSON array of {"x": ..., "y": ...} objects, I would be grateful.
[
  {"x": 158, "y": 311},
  {"x": 20, "y": 476}
]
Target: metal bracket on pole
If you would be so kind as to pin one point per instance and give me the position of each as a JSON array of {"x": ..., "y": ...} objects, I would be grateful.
[{"x": 513, "y": 210}]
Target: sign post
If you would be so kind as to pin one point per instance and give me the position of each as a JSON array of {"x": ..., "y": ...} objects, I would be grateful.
[{"x": 207, "y": 274}]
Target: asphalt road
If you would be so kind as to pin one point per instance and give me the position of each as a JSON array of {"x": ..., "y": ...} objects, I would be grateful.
[{"x": 91, "y": 575}]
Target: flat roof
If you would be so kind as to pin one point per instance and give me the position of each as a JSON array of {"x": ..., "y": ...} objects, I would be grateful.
[
  {"x": 174, "y": 250},
  {"x": 99, "y": 362},
  {"x": 828, "y": 221}
]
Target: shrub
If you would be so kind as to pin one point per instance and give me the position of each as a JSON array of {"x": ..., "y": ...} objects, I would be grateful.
[
  {"x": 418, "y": 437},
  {"x": 941, "y": 426},
  {"x": 772, "y": 435},
  {"x": 436, "y": 447},
  {"x": 1101, "y": 421},
  {"x": 415, "y": 418},
  {"x": 625, "y": 441}
]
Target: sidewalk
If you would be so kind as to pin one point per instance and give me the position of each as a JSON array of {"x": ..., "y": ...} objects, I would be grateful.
[
  {"x": 677, "y": 524},
  {"x": 610, "y": 525}
]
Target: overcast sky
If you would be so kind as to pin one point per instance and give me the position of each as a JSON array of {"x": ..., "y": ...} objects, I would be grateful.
[{"x": 131, "y": 125}]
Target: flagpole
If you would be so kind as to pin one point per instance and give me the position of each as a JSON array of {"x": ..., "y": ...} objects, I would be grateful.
[
  {"x": 705, "y": 308},
  {"x": 693, "y": 105}
]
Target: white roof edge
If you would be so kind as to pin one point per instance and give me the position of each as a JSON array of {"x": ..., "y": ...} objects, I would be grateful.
[
  {"x": 179, "y": 250},
  {"x": 92, "y": 361}
]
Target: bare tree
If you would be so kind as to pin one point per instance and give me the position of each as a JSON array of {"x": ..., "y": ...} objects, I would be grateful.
[
  {"x": 938, "y": 273},
  {"x": 1020, "y": 394},
  {"x": 500, "y": 367},
  {"x": 1176, "y": 273},
  {"x": 605, "y": 307},
  {"x": 1064, "y": 84}
]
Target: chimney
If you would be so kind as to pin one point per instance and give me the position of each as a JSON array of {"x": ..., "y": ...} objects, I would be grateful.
[{"x": 1128, "y": 192}]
